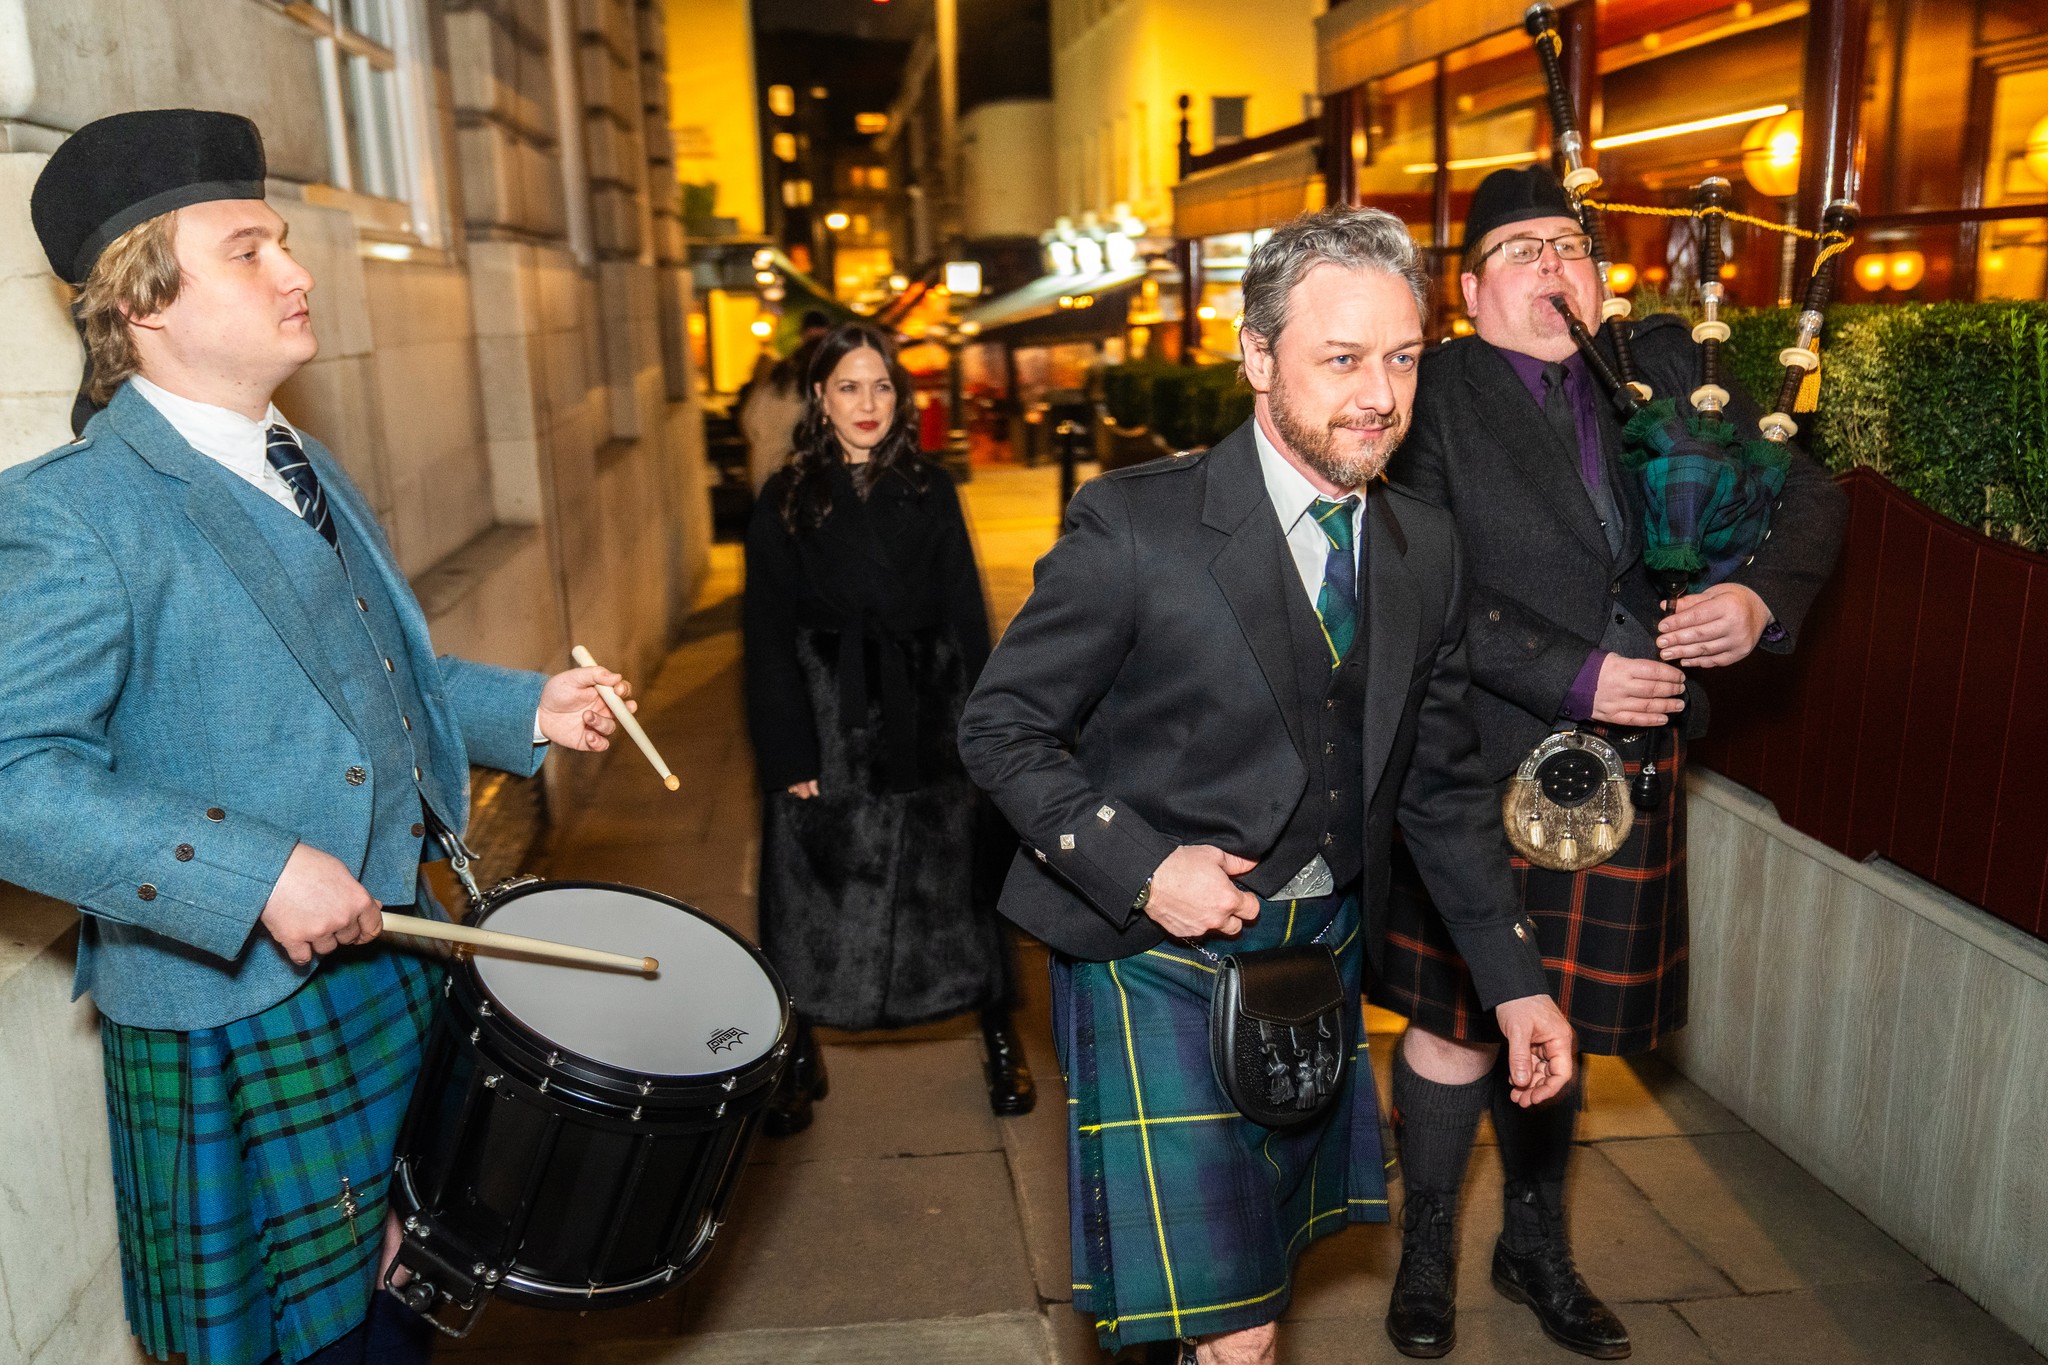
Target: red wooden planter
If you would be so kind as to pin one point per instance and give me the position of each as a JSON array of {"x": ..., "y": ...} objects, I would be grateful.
[{"x": 1912, "y": 721}]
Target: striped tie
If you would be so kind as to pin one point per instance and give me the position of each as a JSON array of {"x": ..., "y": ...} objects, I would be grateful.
[
  {"x": 290, "y": 463},
  {"x": 1337, "y": 603}
]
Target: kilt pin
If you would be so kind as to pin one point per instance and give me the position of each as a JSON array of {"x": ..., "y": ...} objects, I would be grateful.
[{"x": 1187, "y": 1216}]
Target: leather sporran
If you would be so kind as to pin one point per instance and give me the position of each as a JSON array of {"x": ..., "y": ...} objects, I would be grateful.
[
  {"x": 1277, "y": 1033},
  {"x": 1567, "y": 807}
]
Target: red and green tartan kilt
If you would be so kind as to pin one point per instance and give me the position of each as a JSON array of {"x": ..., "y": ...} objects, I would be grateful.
[
  {"x": 230, "y": 1145},
  {"x": 1613, "y": 937}
]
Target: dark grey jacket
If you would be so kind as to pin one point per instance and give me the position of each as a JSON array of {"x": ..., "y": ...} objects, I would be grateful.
[
  {"x": 1147, "y": 697},
  {"x": 1543, "y": 583}
]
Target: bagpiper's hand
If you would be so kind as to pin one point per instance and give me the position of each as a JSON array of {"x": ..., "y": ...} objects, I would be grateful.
[
  {"x": 573, "y": 715},
  {"x": 1193, "y": 896},
  {"x": 804, "y": 791},
  {"x": 1539, "y": 1048},
  {"x": 318, "y": 905},
  {"x": 1713, "y": 629},
  {"x": 1637, "y": 692}
]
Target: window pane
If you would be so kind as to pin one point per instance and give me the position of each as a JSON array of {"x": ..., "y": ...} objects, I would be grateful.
[
  {"x": 2012, "y": 255},
  {"x": 371, "y": 97},
  {"x": 371, "y": 18},
  {"x": 1226, "y": 113}
]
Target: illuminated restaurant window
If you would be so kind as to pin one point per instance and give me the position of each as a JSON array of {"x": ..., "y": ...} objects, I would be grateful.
[
  {"x": 2012, "y": 253},
  {"x": 1226, "y": 118}
]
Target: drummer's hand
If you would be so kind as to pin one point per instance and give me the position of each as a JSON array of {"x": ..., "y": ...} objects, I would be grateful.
[
  {"x": 392, "y": 1237},
  {"x": 1193, "y": 896},
  {"x": 1637, "y": 692},
  {"x": 573, "y": 715},
  {"x": 1714, "y": 628},
  {"x": 318, "y": 905},
  {"x": 1539, "y": 1041},
  {"x": 804, "y": 791}
]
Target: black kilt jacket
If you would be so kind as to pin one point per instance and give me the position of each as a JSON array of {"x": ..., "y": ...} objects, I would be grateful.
[
  {"x": 1147, "y": 696},
  {"x": 1542, "y": 580}
]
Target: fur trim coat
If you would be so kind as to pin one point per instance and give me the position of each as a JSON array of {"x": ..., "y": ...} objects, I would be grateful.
[{"x": 863, "y": 638}]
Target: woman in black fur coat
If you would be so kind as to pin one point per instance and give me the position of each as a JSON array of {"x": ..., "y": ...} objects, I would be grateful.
[{"x": 865, "y": 629}]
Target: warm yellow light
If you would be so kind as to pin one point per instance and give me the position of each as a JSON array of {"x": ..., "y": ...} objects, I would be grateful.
[
  {"x": 1872, "y": 270},
  {"x": 1727, "y": 270},
  {"x": 784, "y": 145},
  {"x": 2037, "y": 150},
  {"x": 764, "y": 277},
  {"x": 1206, "y": 313},
  {"x": 1621, "y": 277},
  {"x": 781, "y": 101},
  {"x": 970, "y": 327},
  {"x": 1461, "y": 327},
  {"x": 1770, "y": 155},
  {"x": 870, "y": 123},
  {"x": 1655, "y": 274},
  {"x": 761, "y": 327},
  {"x": 1906, "y": 269},
  {"x": 1698, "y": 125},
  {"x": 763, "y": 259},
  {"x": 1471, "y": 163},
  {"x": 899, "y": 283},
  {"x": 1066, "y": 300},
  {"x": 1995, "y": 261},
  {"x": 837, "y": 221}
]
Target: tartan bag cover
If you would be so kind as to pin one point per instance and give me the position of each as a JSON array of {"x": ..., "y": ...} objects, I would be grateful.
[
  {"x": 230, "y": 1145},
  {"x": 1613, "y": 937},
  {"x": 1185, "y": 1216}
]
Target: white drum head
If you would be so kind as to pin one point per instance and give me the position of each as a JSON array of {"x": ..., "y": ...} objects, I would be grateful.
[{"x": 711, "y": 1008}]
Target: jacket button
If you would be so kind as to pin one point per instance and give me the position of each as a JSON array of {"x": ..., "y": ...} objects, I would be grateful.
[
  {"x": 216, "y": 814},
  {"x": 361, "y": 605},
  {"x": 183, "y": 853},
  {"x": 1329, "y": 746},
  {"x": 418, "y": 829},
  {"x": 1621, "y": 618},
  {"x": 145, "y": 892},
  {"x": 1330, "y": 705},
  {"x": 355, "y": 776},
  {"x": 406, "y": 721},
  {"x": 415, "y": 774},
  {"x": 1493, "y": 615},
  {"x": 1329, "y": 839},
  {"x": 1614, "y": 588},
  {"x": 388, "y": 667}
]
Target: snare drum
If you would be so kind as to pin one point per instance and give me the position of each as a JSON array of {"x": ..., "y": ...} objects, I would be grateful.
[{"x": 575, "y": 1135}]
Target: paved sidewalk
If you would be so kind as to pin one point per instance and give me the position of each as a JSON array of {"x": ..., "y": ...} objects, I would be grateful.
[{"x": 909, "y": 1227}]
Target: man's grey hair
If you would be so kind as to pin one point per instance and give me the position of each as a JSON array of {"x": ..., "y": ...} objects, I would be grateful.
[{"x": 1356, "y": 239}]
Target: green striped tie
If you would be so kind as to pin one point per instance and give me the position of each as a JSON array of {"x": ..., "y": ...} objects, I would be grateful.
[{"x": 1337, "y": 603}]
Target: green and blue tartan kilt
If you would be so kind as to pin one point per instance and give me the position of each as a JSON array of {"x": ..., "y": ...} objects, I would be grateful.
[
  {"x": 230, "y": 1146},
  {"x": 1187, "y": 1217}
]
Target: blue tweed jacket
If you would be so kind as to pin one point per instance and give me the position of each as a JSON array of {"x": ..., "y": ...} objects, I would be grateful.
[{"x": 172, "y": 724}]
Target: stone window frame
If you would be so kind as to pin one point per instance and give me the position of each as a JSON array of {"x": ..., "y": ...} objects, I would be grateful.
[{"x": 391, "y": 183}]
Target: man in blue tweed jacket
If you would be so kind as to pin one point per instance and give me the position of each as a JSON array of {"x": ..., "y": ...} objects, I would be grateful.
[{"x": 222, "y": 727}]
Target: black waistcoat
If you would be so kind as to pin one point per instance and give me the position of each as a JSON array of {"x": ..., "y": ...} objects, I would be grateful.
[{"x": 1330, "y": 817}]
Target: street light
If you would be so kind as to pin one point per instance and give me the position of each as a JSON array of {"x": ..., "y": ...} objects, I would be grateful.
[
  {"x": 963, "y": 277},
  {"x": 837, "y": 221}
]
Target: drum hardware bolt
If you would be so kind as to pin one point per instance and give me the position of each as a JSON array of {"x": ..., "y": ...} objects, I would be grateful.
[
  {"x": 475, "y": 1034},
  {"x": 483, "y": 1007},
  {"x": 492, "y": 1277},
  {"x": 636, "y": 1112},
  {"x": 544, "y": 1084},
  {"x": 646, "y": 1086},
  {"x": 414, "y": 1226},
  {"x": 721, "y": 1110},
  {"x": 554, "y": 1058},
  {"x": 730, "y": 1082},
  {"x": 447, "y": 985},
  {"x": 478, "y": 1269},
  {"x": 490, "y": 1082}
]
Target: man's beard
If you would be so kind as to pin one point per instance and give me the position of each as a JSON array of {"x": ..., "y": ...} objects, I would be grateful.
[{"x": 1317, "y": 445}]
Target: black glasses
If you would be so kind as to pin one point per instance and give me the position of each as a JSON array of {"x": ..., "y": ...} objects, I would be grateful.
[{"x": 1573, "y": 246}]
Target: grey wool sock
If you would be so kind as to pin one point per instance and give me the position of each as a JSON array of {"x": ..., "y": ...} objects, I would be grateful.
[{"x": 1435, "y": 1125}]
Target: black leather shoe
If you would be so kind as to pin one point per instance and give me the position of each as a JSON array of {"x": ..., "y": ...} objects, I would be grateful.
[
  {"x": 789, "y": 1112},
  {"x": 1011, "y": 1091},
  {"x": 1549, "y": 1283},
  {"x": 1422, "y": 1314}
]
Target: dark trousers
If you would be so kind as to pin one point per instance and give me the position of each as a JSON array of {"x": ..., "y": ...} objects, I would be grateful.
[{"x": 391, "y": 1334}]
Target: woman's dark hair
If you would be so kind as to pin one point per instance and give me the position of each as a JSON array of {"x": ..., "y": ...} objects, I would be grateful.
[{"x": 808, "y": 499}]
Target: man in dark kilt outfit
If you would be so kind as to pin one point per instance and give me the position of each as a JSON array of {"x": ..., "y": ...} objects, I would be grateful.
[
  {"x": 222, "y": 730},
  {"x": 1236, "y": 671},
  {"x": 1565, "y": 629}
]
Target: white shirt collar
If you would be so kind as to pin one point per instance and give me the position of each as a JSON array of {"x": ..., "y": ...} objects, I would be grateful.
[
  {"x": 217, "y": 433},
  {"x": 1291, "y": 492}
]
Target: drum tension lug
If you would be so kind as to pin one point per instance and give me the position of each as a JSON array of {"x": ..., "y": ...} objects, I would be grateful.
[
  {"x": 554, "y": 1059},
  {"x": 729, "y": 1083},
  {"x": 491, "y": 1082},
  {"x": 646, "y": 1087},
  {"x": 636, "y": 1113},
  {"x": 483, "y": 1007}
]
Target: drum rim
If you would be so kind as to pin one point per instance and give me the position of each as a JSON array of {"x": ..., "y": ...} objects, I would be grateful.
[{"x": 664, "y": 1080}]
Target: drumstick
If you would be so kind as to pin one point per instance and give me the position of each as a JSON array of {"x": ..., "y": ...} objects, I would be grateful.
[
  {"x": 415, "y": 926},
  {"x": 631, "y": 726}
]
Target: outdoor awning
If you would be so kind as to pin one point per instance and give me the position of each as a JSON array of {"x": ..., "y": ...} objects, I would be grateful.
[
  {"x": 1361, "y": 39},
  {"x": 1260, "y": 191},
  {"x": 1033, "y": 314}
]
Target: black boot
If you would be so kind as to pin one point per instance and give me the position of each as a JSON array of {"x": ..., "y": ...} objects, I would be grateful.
[
  {"x": 1434, "y": 1125},
  {"x": 803, "y": 1081},
  {"x": 1548, "y": 1281},
  {"x": 1532, "y": 1263},
  {"x": 1011, "y": 1091},
  {"x": 1422, "y": 1315}
]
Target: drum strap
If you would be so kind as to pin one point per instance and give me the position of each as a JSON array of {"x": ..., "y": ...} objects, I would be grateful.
[{"x": 461, "y": 859}]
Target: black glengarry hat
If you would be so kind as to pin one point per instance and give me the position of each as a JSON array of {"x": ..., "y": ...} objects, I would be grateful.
[
  {"x": 123, "y": 170},
  {"x": 1515, "y": 195}
]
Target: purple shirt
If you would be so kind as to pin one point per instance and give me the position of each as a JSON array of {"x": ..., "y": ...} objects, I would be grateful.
[{"x": 1578, "y": 390}]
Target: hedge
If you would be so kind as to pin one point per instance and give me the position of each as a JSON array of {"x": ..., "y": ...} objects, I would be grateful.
[{"x": 1947, "y": 400}]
